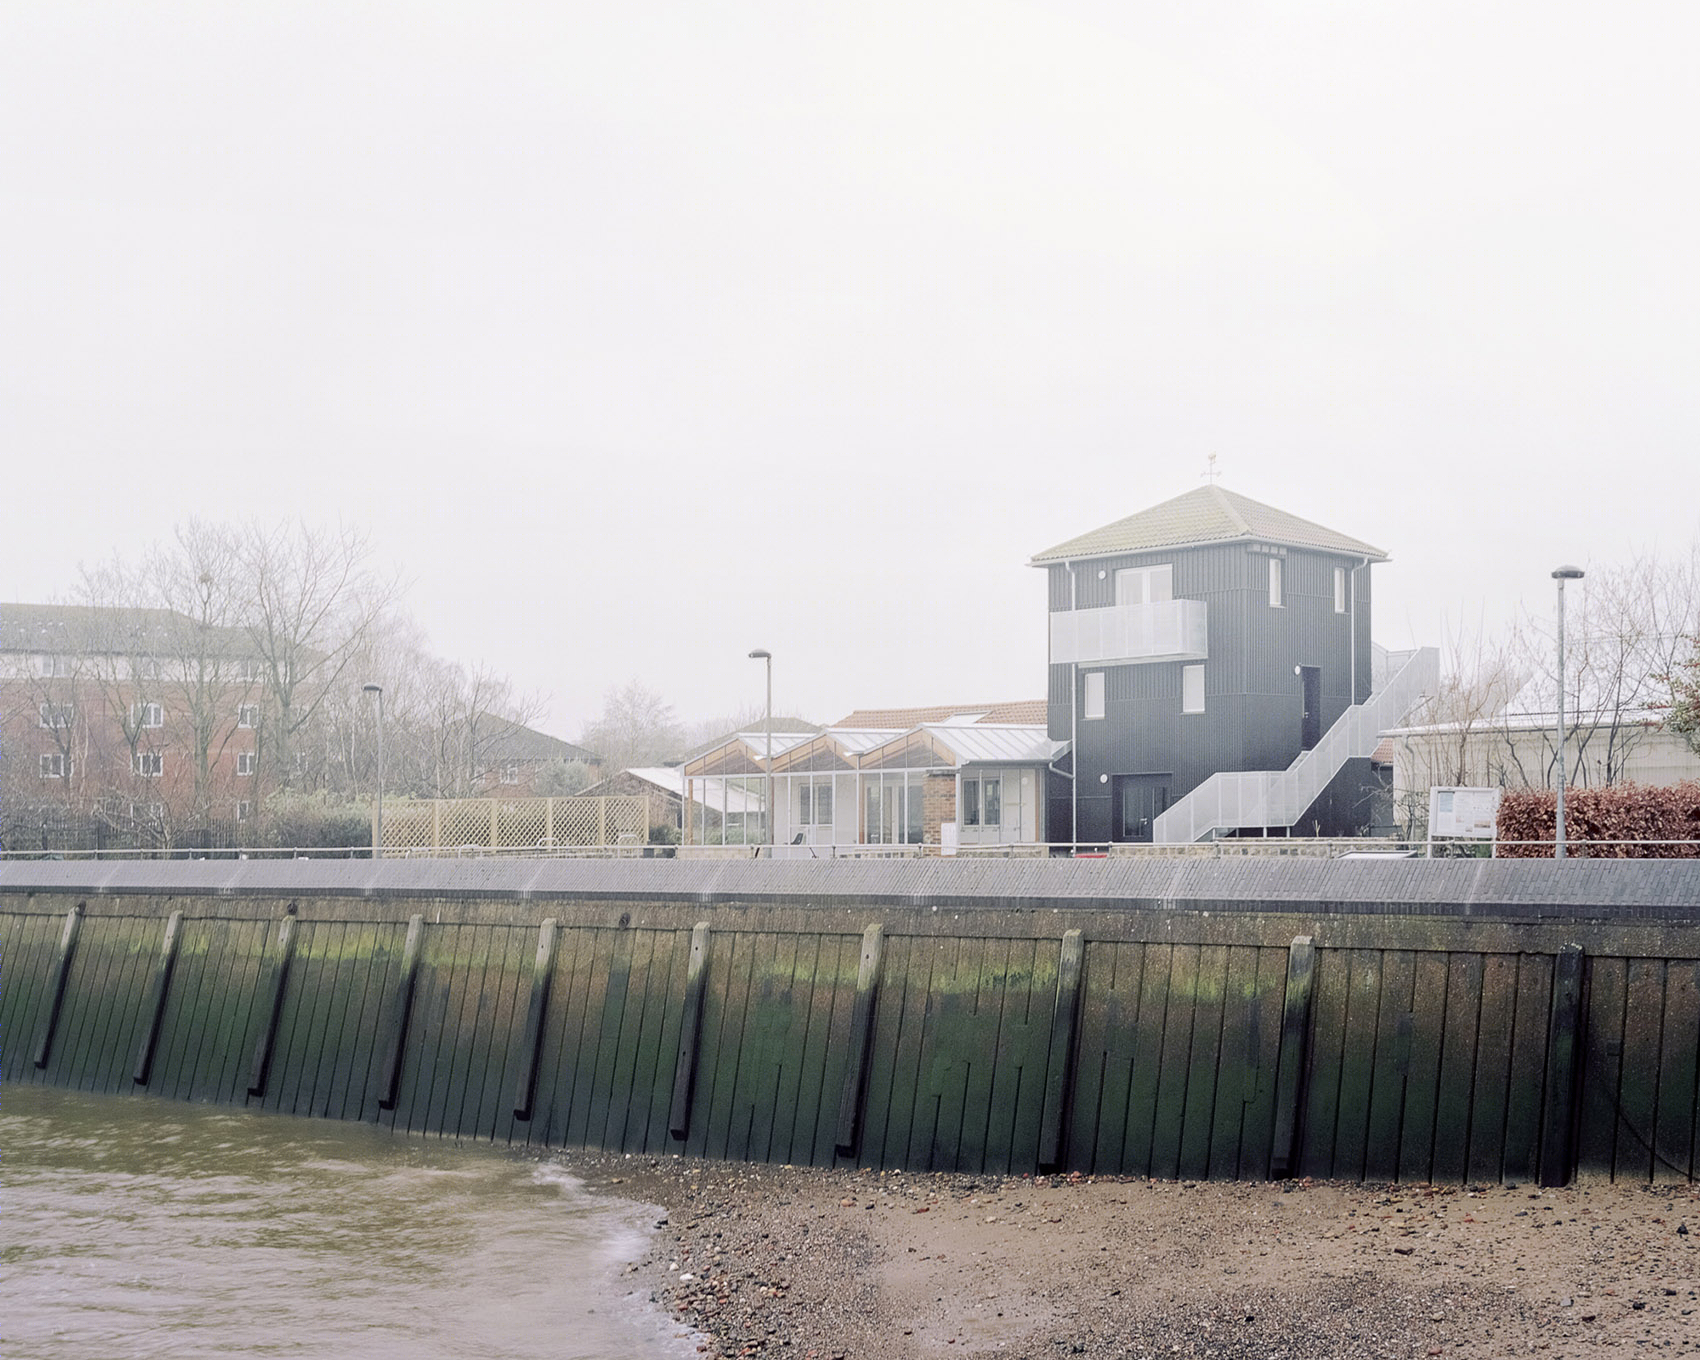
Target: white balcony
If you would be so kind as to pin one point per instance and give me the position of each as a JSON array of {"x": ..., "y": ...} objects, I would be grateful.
[{"x": 1170, "y": 630}]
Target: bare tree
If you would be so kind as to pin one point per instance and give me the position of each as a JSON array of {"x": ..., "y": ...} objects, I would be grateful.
[
  {"x": 310, "y": 597},
  {"x": 1624, "y": 639},
  {"x": 173, "y": 667},
  {"x": 637, "y": 727},
  {"x": 1453, "y": 738}
]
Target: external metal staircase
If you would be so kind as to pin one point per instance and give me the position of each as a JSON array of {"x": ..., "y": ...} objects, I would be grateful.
[{"x": 1279, "y": 798}]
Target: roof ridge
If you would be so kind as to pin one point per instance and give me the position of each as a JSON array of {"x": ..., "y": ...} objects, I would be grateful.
[{"x": 1225, "y": 499}]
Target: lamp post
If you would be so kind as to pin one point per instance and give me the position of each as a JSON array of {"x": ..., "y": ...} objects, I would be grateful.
[
  {"x": 762, "y": 654},
  {"x": 1561, "y": 575},
  {"x": 378, "y": 800}
]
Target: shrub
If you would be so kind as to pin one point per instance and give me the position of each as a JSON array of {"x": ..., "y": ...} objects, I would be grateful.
[{"x": 1619, "y": 813}]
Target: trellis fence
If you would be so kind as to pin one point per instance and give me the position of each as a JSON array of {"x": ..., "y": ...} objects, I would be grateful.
[{"x": 446, "y": 825}]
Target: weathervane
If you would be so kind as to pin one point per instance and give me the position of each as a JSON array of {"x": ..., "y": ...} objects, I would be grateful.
[{"x": 1211, "y": 473}]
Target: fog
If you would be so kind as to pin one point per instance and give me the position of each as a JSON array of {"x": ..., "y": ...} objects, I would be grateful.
[{"x": 638, "y": 336}]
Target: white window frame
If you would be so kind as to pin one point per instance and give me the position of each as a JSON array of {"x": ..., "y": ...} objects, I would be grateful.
[
  {"x": 991, "y": 800},
  {"x": 58, "y": 716},
  {"x": 1192, "y": 688},
  {"x": 148, "y": 764},
  {"x": 1092, "y": 696},
  {"x": 510, "y": 773},
  {"x": 51, "y": 665},
  {"x": 811, "y": 792},
  {"x": 1339, "y": 590},
  {"x": 1275, "y": 583},
  {"x": 1145, "y": 585},
  {"x": 57, "y": 765},
  {"x": 248, "y": 715},
  {"x": 145, "y": 713},
  {"x": 244, "y": 764},
  {"x": 244, "y": 810},
  {"x": 970, "y": 808}
]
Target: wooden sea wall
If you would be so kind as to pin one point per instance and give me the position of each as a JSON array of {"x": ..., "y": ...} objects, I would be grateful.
[{"x": 1421, "y": 1022}]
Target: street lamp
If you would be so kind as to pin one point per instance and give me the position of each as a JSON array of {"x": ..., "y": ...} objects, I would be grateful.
[
  {"x": 762, "y": 654},
  {"x": 378, "y": 801},
  {"x": 1561, "y": 575}
]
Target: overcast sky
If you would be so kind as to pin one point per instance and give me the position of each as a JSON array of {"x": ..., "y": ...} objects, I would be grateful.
[{"x": 641, "y": 335}]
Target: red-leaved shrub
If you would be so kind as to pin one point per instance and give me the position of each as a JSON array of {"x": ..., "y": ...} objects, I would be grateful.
[{"x": 1620, "y": 821}]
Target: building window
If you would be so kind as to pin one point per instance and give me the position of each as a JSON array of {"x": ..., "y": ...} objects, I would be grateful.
[
  {"x": 148, "y": 764},
  {"x": 56, "y": 766},
  {"x": 1093, "y": 707},
  {"x": 250, "y": 671},
  {"x": 48, "y": 666},
  {"x": 1274, "y": 582},
  {"x": 1339, "y": 590},
  {"x": 814, "y": 806},
  {"x": 1192, "y": 689},
  {"x": 244, "y": 762},
  {"x": 247, "y": 715},
  {"x": 510, "y": 774},
  {"x": 58, "y": 715},
  {"x": 147, "y": 715},
  {"x": 244, "y": 810},
  {"x": 982, "y": 800},
  {"x": 1145, "y": 585}
]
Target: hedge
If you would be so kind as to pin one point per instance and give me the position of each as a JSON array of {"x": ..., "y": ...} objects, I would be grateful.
[{"x": 1639, "y": 813}]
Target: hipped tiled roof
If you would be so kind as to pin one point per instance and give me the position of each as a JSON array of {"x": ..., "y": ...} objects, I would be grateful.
[
  {"x": 902, "y": 719},
  {"x": 1211, "y": 514}
]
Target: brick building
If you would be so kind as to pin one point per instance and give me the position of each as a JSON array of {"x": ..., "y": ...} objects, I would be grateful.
[{"x": 139, "y": 719}]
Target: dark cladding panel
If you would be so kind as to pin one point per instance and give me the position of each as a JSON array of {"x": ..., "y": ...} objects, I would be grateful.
[{"x": 1057, "y": 583}]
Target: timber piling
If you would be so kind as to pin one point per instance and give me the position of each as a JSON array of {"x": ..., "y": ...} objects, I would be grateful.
[{"x": 1448, "y": 1021}]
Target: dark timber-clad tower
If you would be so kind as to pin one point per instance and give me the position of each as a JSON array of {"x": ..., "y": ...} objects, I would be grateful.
[{"x": 1210, "y": 635}]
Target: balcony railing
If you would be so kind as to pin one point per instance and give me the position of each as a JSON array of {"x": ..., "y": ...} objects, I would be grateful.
[{"x": 1171, "y": 630}]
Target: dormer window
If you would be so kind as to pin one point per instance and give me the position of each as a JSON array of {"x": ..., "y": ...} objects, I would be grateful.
[{"x": 1145, "y": 585}]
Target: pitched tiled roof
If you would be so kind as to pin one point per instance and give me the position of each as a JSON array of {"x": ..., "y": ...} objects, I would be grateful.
[
  {"x": 515, "y": 741},
  {"x": 1210, "y": 514},
  {"x": 902, "y": 719},
  {"x": 94, "y": 630}
]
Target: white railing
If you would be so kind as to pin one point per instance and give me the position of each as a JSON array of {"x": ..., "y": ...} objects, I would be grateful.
[
  {"x": 1169, "y": 630},
  {"x": 1268, "y": 798}
]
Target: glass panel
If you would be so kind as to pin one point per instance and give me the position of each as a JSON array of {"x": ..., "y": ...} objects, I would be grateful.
[
  {"x": 823, "y": 804},
  {"x": 1093, "y": 706},
  {"x": 970, "y": 802},
  {"x": 1192, "y": 689},
  {"x": 912, "y": 811},
  {"x": 994, "y": 800}
]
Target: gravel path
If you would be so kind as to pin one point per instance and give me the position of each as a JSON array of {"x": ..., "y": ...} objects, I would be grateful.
[{"x": 841, "y": 1265}]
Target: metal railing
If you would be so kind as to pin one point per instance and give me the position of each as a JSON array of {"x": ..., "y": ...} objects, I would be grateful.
[
  {"x": 1279, "y": 798},
  {"x": 1165, "y": 630},
  {"x": 1227, "y": 847}
]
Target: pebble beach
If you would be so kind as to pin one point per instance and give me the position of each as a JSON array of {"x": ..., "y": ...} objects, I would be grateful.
[{"x": 862, "y": 1265}]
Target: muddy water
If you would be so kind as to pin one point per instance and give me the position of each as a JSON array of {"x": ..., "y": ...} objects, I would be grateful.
[{"x": 133, "y": 1227}]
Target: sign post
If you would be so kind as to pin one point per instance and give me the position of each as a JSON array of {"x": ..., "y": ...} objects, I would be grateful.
[{"x": 1463, "y": 814}]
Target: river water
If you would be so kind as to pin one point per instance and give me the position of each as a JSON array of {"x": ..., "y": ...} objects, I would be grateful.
[{"x": 134, "y": 1227}]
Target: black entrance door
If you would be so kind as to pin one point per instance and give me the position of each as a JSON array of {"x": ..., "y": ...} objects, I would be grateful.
[
  {"x": 1310, "y": 684},
  {"x": 1140, "y": 800}
]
